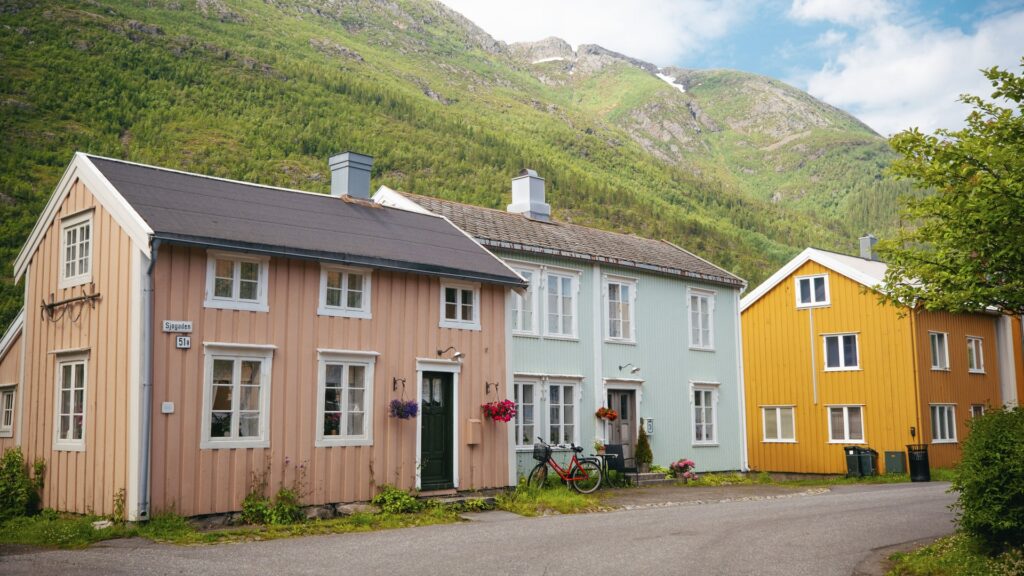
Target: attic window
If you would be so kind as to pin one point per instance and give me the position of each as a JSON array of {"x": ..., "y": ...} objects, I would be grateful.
[
  {"x": 812, "y": 291},
  {"x": 76, "y": 250},
  {"x": 236, "y": 281}
]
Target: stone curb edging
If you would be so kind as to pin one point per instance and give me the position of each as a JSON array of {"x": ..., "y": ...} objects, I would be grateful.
[{"x": 809, "y": 492}]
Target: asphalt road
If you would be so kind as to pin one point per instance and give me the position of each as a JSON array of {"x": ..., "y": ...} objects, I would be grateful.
[{"x": 821, "y": 534}]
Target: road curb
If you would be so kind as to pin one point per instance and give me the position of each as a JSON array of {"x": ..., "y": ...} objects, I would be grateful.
[{"x": 876, "y": 563}]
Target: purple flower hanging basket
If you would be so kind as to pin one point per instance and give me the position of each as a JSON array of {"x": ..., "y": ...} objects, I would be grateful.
[{"x": 404, "y": 409}]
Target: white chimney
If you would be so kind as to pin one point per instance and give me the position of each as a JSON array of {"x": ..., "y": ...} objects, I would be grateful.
[
  {"x": 350, "y": 175},
  {"x": 867, "y": 247},
  {"x": 528, "y": 196}
]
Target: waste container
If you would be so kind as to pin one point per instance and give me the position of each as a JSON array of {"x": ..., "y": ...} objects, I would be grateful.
[
  {"x": 917, "y": 456},
  {"x": 868, "y": 461},
  {"x": 895, "y": 462},
  {"x": 852, "y": 461}
]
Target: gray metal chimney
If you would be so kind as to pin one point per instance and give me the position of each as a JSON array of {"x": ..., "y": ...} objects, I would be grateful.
[
  {"x": 867, "y": 247},
  {"x": 528, "y": 196},
  {"x": 350, "y": 175}
]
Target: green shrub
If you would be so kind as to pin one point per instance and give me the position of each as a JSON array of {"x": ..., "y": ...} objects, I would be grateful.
[
  {"x": 990, "y": 479},
  {"x": 19, "y": 493},
  {"x": 392, "y": 500},
  {"x": 286, "y": 508},
  {"x": 256, "y": 508},
  {"x": 643, "y": 448}
]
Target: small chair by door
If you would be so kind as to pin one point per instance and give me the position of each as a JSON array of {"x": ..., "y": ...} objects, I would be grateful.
[{"x": 616, "y": 458}]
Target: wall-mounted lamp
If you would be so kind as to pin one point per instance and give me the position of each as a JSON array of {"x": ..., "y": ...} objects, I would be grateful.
[
  {"x": 395, "y": 382},
  {"x": 489, "y": 385},
  {"x": 632, "y": 370},
  {"x": 458, "y": 356}
]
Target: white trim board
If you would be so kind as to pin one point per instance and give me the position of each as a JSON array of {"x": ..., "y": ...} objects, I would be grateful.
[
  {"x": 455, "y": 369},
  {"x": 16, "y": 327},
  {"x": 826, "y": 259}
]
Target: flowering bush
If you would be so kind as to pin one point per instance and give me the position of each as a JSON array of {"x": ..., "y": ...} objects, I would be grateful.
[
  {"x": 683, "y": 468},
  {"x": 607, "y": 414},
  {"x": 404, "y": 409},
  {"x": 500, "y": 411}
]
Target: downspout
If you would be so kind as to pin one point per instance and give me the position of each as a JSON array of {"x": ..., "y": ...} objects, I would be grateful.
[
  {"x": 814, "y": 357},
  {"x": 917, "y": 377},
  {"x": 146, "y": 412},
  {"x": 745, "y": 461}
]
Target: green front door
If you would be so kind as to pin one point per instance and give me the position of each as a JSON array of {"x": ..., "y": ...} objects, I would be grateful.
[{"x": 437, "y": 433}]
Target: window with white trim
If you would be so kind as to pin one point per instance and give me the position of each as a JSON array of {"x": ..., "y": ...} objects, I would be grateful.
[
  {"x": 236, "y": 398},
  {"x": 977, "y": 410},
  {"x": 460, "y": 305},
  {"x": 620, "y": 296},
  {"x": 702, "y": 319},
  {"x": 841, "y": 352},
  {"x": 345, "y": 399},
  {"x": 344, "y": 292},
  {"x": 705, "y": 414},
  {"x": 943, "y": 423},
  {"x": 72, "y": 379},
  {"x": 76, "y": 250},
  {"x": 778, "y": 423},
  {"x": 236, "y": 281},
  {"x": 526, "y": 413},
  {"x": 812, "y": 291},
  {"x": 940, "y": 350},
  {"x": 975, "y": 355},
  {"x": 524, "y": 307},
  {"x": 7, "y": 412},
  {"x": 846, "y": 424},
  {"x": 561, "y": 305},
  {"x": 562, "y": 408}
]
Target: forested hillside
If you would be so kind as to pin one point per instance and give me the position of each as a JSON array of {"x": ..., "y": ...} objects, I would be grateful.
[{"x": 266, "y": 91}]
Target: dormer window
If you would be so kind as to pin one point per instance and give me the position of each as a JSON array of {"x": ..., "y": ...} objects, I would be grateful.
[
  {"x": 76, "y": 250},
  {"x": 460, "y": 305},
  {"x": 812, "y": 291}
]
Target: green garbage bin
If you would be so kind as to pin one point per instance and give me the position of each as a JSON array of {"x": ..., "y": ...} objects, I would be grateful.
[
  {"x": 852, "y": 461},
  {"x": 917, "y": 456},
  {"x": 868, "y": 461}
]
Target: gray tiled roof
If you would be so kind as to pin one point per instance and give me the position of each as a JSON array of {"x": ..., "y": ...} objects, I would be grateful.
[
  {"x": 200, "y": 210},
  {"x": 500, "y": 229}
]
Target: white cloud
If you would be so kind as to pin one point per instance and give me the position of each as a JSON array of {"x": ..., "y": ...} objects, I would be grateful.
[
  {"x": 895, "y": 76},
  {"x": 659, "y": 31},
  {"x": 840, "y": 11},
  {"x": 830, "y": 38}
]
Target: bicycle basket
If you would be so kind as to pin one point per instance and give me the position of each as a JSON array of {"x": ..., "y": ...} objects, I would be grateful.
[{"x": 541, "y": 452}]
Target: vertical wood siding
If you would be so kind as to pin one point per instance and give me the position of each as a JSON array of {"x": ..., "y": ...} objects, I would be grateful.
[
  {"x": 777, "y": 366},
  {"x": 405, "y": 309},
  {"x": 10, "y": 373},
  {"x": 85, "y": 481},
  {"x": 1017, "y": 331},
  {"x": 957, "y": 385}
]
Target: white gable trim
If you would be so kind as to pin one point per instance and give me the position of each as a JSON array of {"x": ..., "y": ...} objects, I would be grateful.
[
  {"x": 809, "y": 254},
  {"x": 81, "y": 168},
  {"x": 12, "y": 333}
]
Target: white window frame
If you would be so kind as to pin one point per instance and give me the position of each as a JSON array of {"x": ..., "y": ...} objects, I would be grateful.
[
  {"x": 81, "y": 219},
  {"x": 976, "y": 344},
  {"x": 846, "y": 424},
  {"x": 778, "y": 422},
  {"x": 945, "y": 350},
  {"x": 577, "y": 404},
  {"x": 346, "y": 358},
  {"x": 71, "y": 444},
  {"x": 710, "y": 295},
  {"x": 631, "y": 283},
  {"x": 703, "y": 387},
  {"x": 344, "y": 311},
  {"x": 532, "y": 298},
  {"x": 7, "y": 430},
  {"x": 537, "y": 412},
  {"x": 977, "y": 410},
  {"x": 461, "y": 323},
  {"x": 843, "y": 367},
  {"x": 813, "y": 303},
  {"x": 237, "y": 353},
  {"x": 949, "y": 412},
  {"x": 234, "y": 303},
  {"x": 574, "y": 287}
]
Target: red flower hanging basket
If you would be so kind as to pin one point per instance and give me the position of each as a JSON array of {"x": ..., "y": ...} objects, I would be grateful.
[
  {"x": 502, "y": 411},
  {"x": 607, "y": 414}
]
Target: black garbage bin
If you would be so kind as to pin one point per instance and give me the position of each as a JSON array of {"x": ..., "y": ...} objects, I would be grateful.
[
  {"x": 868, "y": 461},
  {"x": 917, "y": 457},
  {"x": 852, "y": 461}
]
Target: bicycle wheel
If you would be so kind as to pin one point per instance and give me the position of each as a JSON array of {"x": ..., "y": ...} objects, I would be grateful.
[
  {"x": 587, "y": 476},
  {"x": 538, "y": 476}
]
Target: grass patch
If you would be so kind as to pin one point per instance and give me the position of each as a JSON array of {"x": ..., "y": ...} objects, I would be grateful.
[
  {"x": 956, "y": 555},
  {"x": 730, "y": 479},
  {"x": 528, "y": 501}
]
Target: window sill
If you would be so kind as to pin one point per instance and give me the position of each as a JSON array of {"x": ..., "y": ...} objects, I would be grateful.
[
  {"x": 623, "y": 342},
  {"x": 454, "y": 325},
  {"x": 231, "y": 305},
  {"x": 68, "y": 447},
  {"x": 701, "y": 349},
  {"x": 66, "y": 283},
  {"x": 561, "y": 337},
  {"x": 856, "y": 369},
  {"x": 979, "y": 372},
  {"x": 343, "y": 313},
  {"x": 229, "y": 444},
  {"x": 934, "y": 369},
  {"x": 944, "y": 441},
  {"x": 706, "y": 444},
  {"x": 815, "y": 305},
  {"x": 342, "y": 442},
  {"x": 525, "y": 334},
  {"x": 6, "y": 433},
  {"x": 778, "y": 441}
]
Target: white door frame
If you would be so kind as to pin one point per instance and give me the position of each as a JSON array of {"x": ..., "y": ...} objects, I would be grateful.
[{"x": 453, "y": 368}]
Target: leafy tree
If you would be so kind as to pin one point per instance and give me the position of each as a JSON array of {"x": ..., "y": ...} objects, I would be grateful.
[{"x": 962, "y": 247}]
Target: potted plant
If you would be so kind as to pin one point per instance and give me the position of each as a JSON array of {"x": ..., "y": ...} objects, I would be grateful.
[
  {"x": 501, "y": 411},
  {"x": 607, "y": 414},
  {"x": 683, "y": 468},
  {"x": 598, "y": 446},
  {"x": 644, "y": 456},
  {"x": 403, "y": 409}
]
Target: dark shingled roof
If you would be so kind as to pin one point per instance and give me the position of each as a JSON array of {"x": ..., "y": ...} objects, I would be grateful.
[
  {"x": 500, "y": 229},
  {"x": 201, "y": 210}
]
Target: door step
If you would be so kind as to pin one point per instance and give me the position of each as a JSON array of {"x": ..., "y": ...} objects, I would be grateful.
[
  {"x": 438, "y": 493},
  {"x": 652, "y": 479}
]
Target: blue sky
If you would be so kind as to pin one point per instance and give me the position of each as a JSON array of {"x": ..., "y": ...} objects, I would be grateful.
[{"x": 892, "y": 63}]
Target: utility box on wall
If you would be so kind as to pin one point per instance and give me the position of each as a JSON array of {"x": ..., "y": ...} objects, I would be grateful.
[
  {"x": 474, "y": 431},
  {"x": 895, "y": 462}
]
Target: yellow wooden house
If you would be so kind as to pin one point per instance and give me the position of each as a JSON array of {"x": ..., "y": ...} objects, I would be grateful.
[{"x": 827, "y": 366}]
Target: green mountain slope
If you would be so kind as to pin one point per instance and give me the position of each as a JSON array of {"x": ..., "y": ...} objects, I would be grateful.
[{"x": 266, "y": 91}]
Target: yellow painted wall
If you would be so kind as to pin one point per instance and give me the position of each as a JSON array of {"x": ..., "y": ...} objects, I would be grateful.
[{"x": 778, "y": 371}]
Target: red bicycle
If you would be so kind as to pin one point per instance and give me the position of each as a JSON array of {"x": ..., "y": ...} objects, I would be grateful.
[{"x": 583, "y": 474}]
